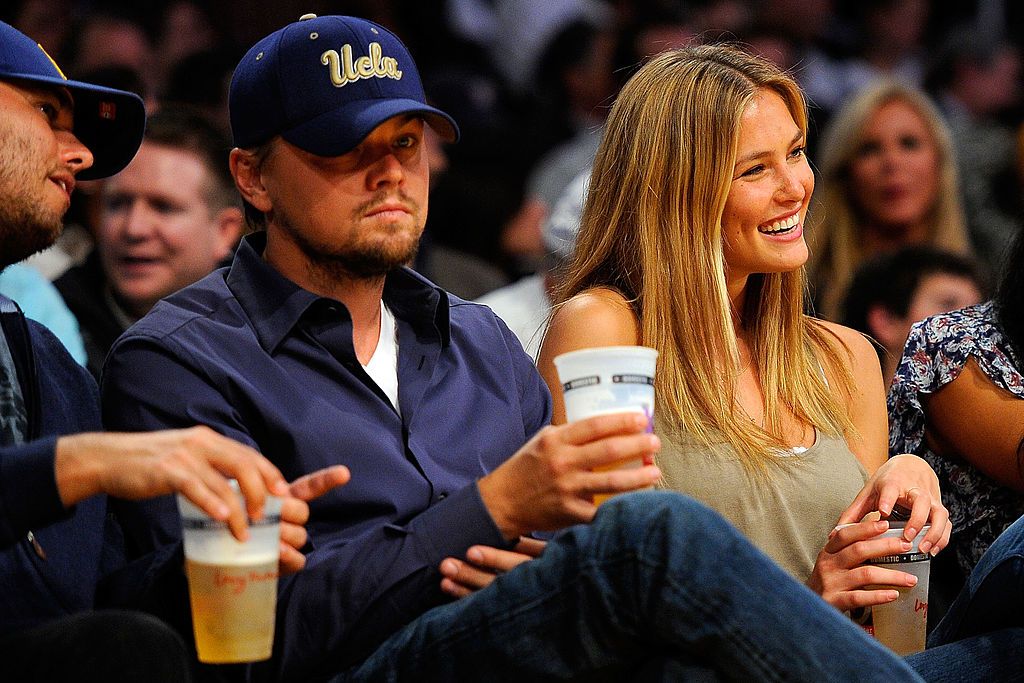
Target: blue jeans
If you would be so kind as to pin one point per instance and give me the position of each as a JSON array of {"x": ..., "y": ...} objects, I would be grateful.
[
  {"x": 658, "y": 586},
  {"x": 981, "y": 638}
]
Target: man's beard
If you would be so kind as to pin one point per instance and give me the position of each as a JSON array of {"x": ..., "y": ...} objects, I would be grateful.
[
  {"x": 25, "y": 230},
  {"x": 26, "y": 226},
  {"x": 355, "y": 264},
  {"x": 352, "y": 261}
]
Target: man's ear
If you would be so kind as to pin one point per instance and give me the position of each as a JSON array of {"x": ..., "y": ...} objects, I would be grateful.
[
  {"x": 245, "y": 168},
  {"x": 229, "y": 223},
  {"x": 886, "y": 327}
]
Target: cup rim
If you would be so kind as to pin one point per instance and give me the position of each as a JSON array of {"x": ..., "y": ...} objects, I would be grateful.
[{"x": 637, "y": 350}]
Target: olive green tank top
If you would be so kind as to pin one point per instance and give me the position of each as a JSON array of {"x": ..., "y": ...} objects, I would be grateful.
[{"x": 789, "y": 513}]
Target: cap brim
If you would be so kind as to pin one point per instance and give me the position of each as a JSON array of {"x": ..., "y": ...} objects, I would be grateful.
[
  {"x": 109, "y": 122},
  {"x": 338, "y": 131}
]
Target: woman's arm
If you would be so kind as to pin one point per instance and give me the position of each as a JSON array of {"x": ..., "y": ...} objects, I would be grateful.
[
  {"x": 973, "y": 419},
  {"x": 866, "y": 403},
  {"x": 840, "y": 575},
  {"x": 597, "y": 317}
]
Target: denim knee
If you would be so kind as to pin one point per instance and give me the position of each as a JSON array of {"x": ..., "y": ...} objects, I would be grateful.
[{"x": 647, "y": 508}]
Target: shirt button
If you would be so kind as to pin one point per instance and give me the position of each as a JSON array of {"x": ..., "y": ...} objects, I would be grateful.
[
  {"x": 442, "y": 496},
  {"x": 36, "y": 546}
]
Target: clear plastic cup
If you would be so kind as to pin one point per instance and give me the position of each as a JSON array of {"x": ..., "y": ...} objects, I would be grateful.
[
  {"x": 608, "y": 379},
  {"x": 902, "y": 625},
  {"x": 232, "y": 585}
]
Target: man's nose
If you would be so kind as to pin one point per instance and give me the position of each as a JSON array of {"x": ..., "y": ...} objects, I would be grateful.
[{"x": 75, "y": 155}]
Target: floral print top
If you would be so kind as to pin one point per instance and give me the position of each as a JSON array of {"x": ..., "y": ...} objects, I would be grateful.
[{"x": 936, "y": 351}]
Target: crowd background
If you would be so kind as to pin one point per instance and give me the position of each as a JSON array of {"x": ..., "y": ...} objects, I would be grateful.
[{"x": 530, "y": 83}]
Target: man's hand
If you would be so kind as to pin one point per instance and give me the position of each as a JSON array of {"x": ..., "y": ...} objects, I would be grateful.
[
  {"x": 550, "y": 483},
  {"x": 483, "y": 564},
  {"x": 295, "y": 512},
  {"x": 195, "y": 462}
]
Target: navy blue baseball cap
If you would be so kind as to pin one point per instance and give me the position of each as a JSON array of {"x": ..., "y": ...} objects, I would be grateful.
[
  {"x": 109, "y": 122},
  {"x": 324, "y": 84}
]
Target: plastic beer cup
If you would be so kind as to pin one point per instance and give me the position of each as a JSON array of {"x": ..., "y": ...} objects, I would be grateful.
[
  {"x": 232, "y": 585},
  {"x": 608, "y": 379},
  {"x": 901, "y": 625}
]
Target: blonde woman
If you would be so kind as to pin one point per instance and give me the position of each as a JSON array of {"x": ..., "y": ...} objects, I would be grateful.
[
  {"x": 691, "y": 242},
  {"x": 888, "y": 180}
]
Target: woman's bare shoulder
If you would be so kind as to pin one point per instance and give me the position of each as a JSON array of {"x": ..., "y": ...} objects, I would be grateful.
[
  {"x": 600, "y": 316},
  {"x": 857, "y": 347}
]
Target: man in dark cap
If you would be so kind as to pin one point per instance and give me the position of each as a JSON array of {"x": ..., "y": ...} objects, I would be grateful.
[{"x": 57, "y": 556}]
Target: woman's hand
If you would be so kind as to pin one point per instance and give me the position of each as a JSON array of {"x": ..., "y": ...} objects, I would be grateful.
[
  {"x": 840, "y": 575},
  {"x": 909, "y": 481},
  {"x": 483, "y": 564}
]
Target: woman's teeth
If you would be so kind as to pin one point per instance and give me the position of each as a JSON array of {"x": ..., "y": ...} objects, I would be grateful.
[{"x": 781, "y": 226}]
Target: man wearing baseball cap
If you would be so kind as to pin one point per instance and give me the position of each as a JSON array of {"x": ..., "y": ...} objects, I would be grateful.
[
  {"x": 56, "y": 549},
  {"x": 318, "y": 346}
]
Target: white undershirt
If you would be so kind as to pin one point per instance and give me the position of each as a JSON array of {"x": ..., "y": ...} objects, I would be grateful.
[{"x": 383, "y": 365}]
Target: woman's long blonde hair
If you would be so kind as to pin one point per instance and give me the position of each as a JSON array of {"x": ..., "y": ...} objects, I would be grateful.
[
  {"x": 834, "y": 237},
  {"x": 652, "y": 229}
]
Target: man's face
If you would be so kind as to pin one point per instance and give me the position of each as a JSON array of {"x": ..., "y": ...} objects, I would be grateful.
[
  {"x": 158, "y": 232},
  {"x": 39, "y": 157},
  {"x": 358, "y": 215}
]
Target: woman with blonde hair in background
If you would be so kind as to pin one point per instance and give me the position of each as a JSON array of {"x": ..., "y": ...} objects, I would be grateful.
[
  {"x": 691, "y": 243},
  {"x": 888, "y": 179}
]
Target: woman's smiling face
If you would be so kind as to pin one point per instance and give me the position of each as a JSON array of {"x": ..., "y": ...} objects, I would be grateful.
[{"x": 763, "y": 221}]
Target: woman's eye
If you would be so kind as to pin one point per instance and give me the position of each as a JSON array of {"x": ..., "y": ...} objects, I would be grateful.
[
  {"x": 798, "y": 152},
  {"x": 752, "y": 171}
]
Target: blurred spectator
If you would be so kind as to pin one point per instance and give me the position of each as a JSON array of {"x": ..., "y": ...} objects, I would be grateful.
[
  {"x": 168, "y": 219},
  {"x": 650, "y": 28},
  {"x": 891, "y": 292},
  {"x": 526, "y": 304},
  {"x": 888, "y": 179},
  {"x": 516, "y": 33},
  {"x": 814, "y": 43},
  {"x": 773, "y": 46},
  {"x": 48, "y": 21},
  {"x": 114, "y": 36},
  {"x": 462, "y": 274},
  {"x": 200, "y": 80},
  {"x": 185, "y": 29},
  {"x": 976, "y": 81},
  {"x": 958, "y": 402},
  {"x": 888, "y": 43},
  {"x": 506, "y": 127},
  {"x": 574, "y": 88}
]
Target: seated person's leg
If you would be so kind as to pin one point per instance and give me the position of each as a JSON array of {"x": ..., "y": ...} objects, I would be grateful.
[
  {"x": 993, "y": 597},
  {"x": 657, "y": 576},
  {"x": 104, "y": 646},
  {"x": 993, "y": 656}
]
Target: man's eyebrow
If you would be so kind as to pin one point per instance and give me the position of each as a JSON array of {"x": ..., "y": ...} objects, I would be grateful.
[{"x": 757, "y": 155}]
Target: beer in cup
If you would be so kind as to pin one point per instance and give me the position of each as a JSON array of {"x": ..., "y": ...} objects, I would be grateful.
[
  {"x": 608, "y": 379},
  {"x": 232, "y": 585}
]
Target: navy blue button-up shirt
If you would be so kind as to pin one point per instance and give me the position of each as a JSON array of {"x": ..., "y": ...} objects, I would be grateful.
[{"x": 259, "y": 359}]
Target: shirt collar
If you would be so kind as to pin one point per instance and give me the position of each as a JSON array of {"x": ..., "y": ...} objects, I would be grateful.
[{"x": 275, "y": 304}]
